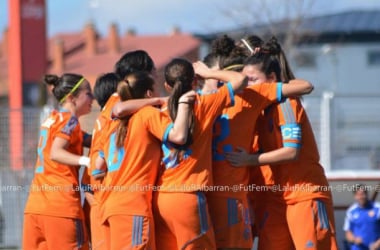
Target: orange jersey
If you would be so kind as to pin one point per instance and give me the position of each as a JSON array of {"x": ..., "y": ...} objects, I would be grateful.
[
  {"x": 236, "y": 128},
  {"x": 132, "y": 169},
  {"x": 261, "y": 177},
  {"x": 192, "y": 170},
  {"x": 286, "y": 125},
  {"x": 55, "y": 187},
  {"x": 101, "y": 123}
]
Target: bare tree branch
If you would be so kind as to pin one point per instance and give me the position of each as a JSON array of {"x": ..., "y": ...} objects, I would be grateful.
[{"x": 282, "y": 19}]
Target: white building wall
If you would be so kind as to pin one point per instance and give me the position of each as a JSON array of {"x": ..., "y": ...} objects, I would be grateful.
[
  {"x": 342, "y": 68},
  {"x": 354, "y": 122}
]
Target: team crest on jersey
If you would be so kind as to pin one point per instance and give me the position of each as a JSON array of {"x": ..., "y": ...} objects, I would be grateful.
[
  {"x": 69, "y": 127},
  {"x": 371, "y": 213}
]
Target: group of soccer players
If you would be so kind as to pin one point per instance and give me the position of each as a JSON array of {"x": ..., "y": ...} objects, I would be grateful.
[{"x": 234, "y": 119}]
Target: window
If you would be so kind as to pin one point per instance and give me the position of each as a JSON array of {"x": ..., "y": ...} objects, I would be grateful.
[
  {"x": 305, "y": 60},
  {"x": 374, "y": 57}
]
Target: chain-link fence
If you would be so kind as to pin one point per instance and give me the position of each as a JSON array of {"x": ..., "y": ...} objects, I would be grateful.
[
  {"x": 346, "y": 128},
  {"x": 13, "y": 184}
]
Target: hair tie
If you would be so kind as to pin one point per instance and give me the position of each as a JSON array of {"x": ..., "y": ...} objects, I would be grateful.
[
  {"x": 247, "y": 45},
  {"x": 72, "y": 90},
  {"x": 234, "y": 66}
]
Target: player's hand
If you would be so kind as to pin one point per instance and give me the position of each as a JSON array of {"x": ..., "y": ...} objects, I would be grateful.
[
  {"x": 375, "y": 245},
  {"x": 241, "y": 158},
  {"x": 358, "y": 241},
  {"x": 188, "y": 97},
  {"x": 201, "y": 69},
  {"x": 162, "y": 100}
]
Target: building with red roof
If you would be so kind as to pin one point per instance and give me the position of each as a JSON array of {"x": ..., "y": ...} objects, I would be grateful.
[{"x": 89, "y": 54}]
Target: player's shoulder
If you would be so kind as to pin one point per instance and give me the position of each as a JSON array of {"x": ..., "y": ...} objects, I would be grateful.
[
  {"x": 376, "y": 204},
  {"x": 114, "y": 98},
  {"x": 149, "y": 109},
  {"x": 146, "y": 111},
  {"x": 354, "y": 207}
]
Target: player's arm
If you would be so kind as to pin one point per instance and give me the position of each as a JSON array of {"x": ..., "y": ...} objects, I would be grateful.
[
  {"x": 350, "y": 237},
  {"x": 59, "y": 153},
  {"x": 297, "y": 87},
  {"x": 375, "y": 245},
  {"x": 179, "y": 132},
  {"x": 100, "y": 167},
  {"x": 238, "y": 80},
  {"x": 242, "y": 158},
  {"x": 347, "y": 227},
  {"x": 288, "y": 153},
  {"x": 291, "y": 133},
  {"x": 87, "y": 139},
  {"x": 125, "y": 108}
]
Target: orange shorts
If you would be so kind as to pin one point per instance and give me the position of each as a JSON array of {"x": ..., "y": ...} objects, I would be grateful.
[
  {"x": 231, "y": 220},
  {"x": 271, "y": 226},
  {"x": 317, "y": 230},
  {"x": 182, "y": 221},
  {"x": 303, "y": 225},
  {"x": 129, "y": 232},
  {"x": 50, "y": 232},
  {"x": 97, "y": 229}
]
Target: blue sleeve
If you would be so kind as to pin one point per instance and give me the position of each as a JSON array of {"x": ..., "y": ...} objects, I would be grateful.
[
  {"x": 231, "y": 92},
  {"x": 166, "y": 134},
  {"x": 347, "y": 225},
  {"x": 97, "y": 171},
  {"x": 279, "y": 91}
]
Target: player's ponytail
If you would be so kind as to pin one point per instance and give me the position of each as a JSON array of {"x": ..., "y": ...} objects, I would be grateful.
[
  {"x": 133, "y": 86},
  {"x": 179, "y": 75},
  {"x": 273, "y": 47}
]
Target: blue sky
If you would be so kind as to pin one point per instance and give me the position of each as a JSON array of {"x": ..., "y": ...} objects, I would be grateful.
[{"x": 158, "y": 17}]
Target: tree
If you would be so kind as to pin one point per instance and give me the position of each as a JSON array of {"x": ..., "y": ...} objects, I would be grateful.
[{"x": 265, "y": 18}]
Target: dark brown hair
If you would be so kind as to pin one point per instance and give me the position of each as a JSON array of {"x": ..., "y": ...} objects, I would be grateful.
[
  {"x": 134, "y": 86},
  {"x": 271, "y": 58},
  {"x": 229, "y": 54},
  {"x": 63, "y": 85},
  {"x": 179, "y": 74}
]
